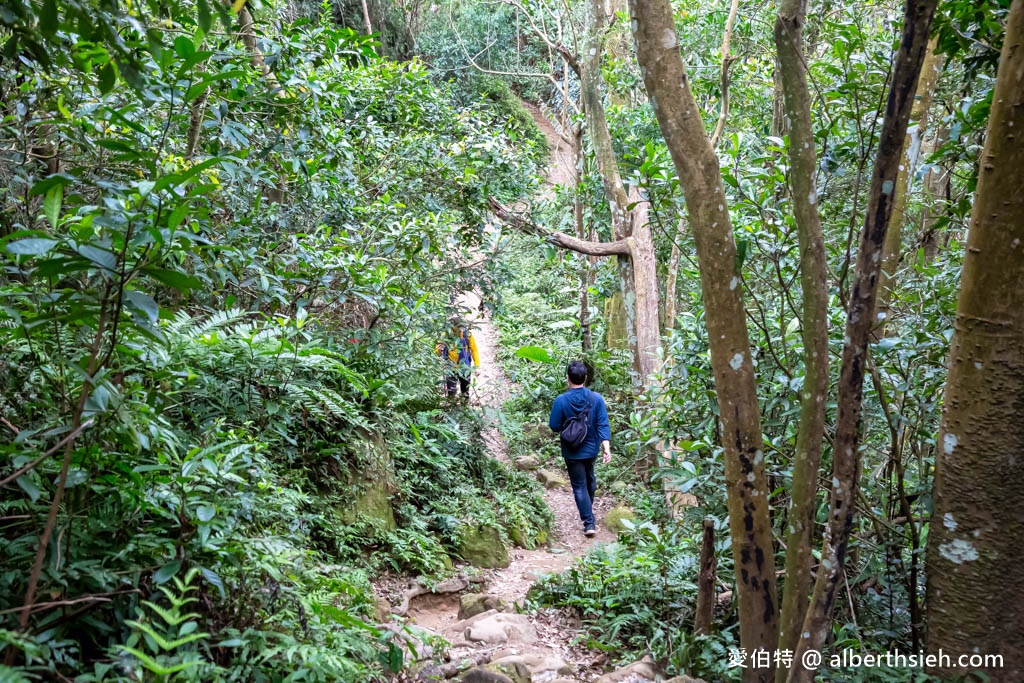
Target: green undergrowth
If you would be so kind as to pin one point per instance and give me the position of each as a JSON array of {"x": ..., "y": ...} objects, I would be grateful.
[
  {"x": 227, "y": 525},
  {"x": 638, "y": 595},
  {"x": 231, "y": 325}
]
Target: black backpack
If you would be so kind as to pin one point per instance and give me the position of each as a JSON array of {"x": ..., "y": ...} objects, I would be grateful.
[{"x": 574, "y": 430}]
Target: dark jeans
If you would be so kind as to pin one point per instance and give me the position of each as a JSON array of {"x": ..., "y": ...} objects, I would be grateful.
[
  {"x": 584, "y": 485},
  {"x": 453, "y": 383}
]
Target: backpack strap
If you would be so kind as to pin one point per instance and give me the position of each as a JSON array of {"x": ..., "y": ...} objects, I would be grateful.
[{"x": 590, "y": 403}]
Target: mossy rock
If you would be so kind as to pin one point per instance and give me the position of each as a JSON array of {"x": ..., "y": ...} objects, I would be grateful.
[
  {"x": 371, "y": 489},
  {"x": 613, "y": 520},
  {"x": 374, "y": 503},
  {"x": 482, "y": 546},
  {"x": 472, "y": 604},
  {"x": 524, "y": 539},
  {"x": 504, "y": 672},
  {"x": 550, "y": 479},
  {"x": 527, "y": 463}
]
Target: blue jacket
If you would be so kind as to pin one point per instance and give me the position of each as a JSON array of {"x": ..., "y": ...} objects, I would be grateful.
[{"x": 568, "y": 405}]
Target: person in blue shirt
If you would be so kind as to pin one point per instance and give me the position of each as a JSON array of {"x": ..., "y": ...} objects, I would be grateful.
[{"x": 579, "y": 462}]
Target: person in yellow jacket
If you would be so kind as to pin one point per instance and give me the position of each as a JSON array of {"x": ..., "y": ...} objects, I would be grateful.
[{"x": 458, "y": 358}]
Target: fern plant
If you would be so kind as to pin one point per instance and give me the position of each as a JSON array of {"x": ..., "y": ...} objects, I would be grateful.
[{"x": 166, "y": 641}]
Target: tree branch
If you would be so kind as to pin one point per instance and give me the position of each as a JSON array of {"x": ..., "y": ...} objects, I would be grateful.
[
  {"x": 727, "y": 61},
  {"x": 559, "y": 239},
  {"x": 555, "y": 45},
  {"x": 35, "y": 463}
]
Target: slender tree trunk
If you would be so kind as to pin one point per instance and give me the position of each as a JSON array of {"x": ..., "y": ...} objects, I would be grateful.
[
  {"x": 672, "y": 279},
  {"x": 727, "y": 60},
  {"x": 780, "y": 127},
  {"x": 645, "y": 277},
  {"x": 366, "y": 18},
  {"x": 699, "y": 174},
  {"x": 706, "y": 581},
  {"x": 814, "y": 330},
  {"x": 892, "y": 250},
  {"x": 975, "y": 555},
  {"x": 586, "y": 336},
  {"x": 917, "y": 23},
  {"x": 716, "y": 137},
  {"x": 936, "y": 188},
  {"x": 247, "y": 31}
]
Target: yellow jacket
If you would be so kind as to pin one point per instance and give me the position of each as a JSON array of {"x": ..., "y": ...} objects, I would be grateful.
[{"x": 453, "y": 350}]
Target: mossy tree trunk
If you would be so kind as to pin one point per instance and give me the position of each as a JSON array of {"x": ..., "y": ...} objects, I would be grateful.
[{"x": 975, "y": 554}]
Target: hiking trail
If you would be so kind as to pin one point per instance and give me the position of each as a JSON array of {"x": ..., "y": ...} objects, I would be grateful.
[{"x": 539, "y": 641}]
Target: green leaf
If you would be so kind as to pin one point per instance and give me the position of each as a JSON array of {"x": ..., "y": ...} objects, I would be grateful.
[
  {"x": 100, "y": 257},
  {"x": 51, "y": 205},
  {"x": 214, "y": 580},
  {"x": 107, "y": 78},
  {"x": 173, "y": 278},
  {"x": 49, "y": 18},
  {"x": 741, "y": 253},
  {"x": 184, "y": 47},
  {"x": 28, "y": 486},
  {"x": 164, "y": 574},
  {"x": 142, "y": 303},
  {"x": 205, "y": 19},
  {"x": 44, "y": 185},
  {"x": 32, "y": 246},
  {"x": 178, "y": 215},
  {"x": 206, "y": 512},
  {"x": 394, "y": 658},
  {"x": 534, "y": 353}
]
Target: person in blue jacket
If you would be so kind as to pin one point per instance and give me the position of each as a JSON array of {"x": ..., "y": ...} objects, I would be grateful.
[{"x": 580, "y": 461}]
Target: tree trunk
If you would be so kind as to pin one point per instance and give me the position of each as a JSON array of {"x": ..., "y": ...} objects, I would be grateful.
[
  {"x": 975, "y": 556},
  {"x": 706, "y": 581},
  {"x": 936, "y": 189},
  {"x": 697, "y": 167},
  {"x": 645, "y": 288},
  {"x": 780, "y": 126},
  {"x": 586, "y": 333},
  {"x": 366, "y": 18},
  {"x": 631, "y": 226},
  {"x": 917, "y": 22},
  {"x": 247, "y": 31},
  {"x": 814, "y": 330},
  {"x": 672, "y": 279},
  {"x": 727, "y": 60},
  {"x": 892, "y": 250}
]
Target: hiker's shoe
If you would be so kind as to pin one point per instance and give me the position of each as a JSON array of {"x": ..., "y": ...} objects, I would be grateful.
[{"x": 589, "y": 530}]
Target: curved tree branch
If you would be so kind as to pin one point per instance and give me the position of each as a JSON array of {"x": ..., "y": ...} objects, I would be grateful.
[{"x": 559, "y": 239}]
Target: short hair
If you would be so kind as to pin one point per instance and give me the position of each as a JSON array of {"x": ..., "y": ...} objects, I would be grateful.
[{"x": 577, "y": 372}]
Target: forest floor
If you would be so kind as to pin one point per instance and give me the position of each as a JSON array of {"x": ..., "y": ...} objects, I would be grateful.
[{"x": 551, "y": 656}]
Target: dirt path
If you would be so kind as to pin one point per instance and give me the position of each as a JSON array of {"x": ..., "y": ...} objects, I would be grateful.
[{"x": 491, "y": 389}]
